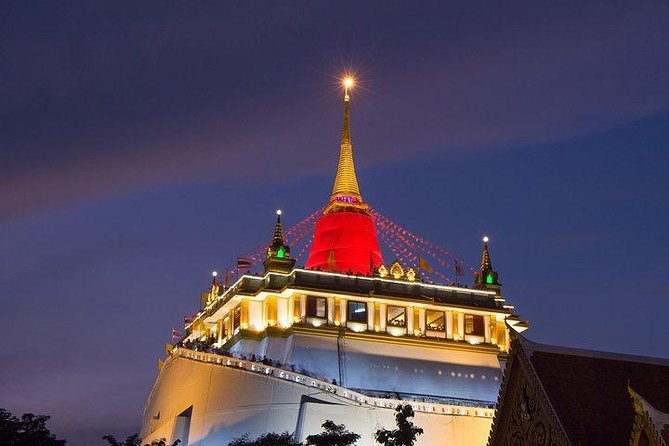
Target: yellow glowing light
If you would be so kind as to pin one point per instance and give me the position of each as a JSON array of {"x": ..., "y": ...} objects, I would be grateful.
[
  {"x": 348, "y": 82},
  {"x": 278, "y": 212},
  {"x": 485, "y": 239},
  {"x": 214, "y": 273}
]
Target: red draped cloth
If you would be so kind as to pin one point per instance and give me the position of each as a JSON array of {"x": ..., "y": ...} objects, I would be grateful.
[{"x": 345, "y": 242}]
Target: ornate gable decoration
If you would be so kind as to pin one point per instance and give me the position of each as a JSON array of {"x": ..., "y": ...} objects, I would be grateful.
[
  {"x": 207, "y": 297},
  {"x": 524, "y": 415},
  {"x": 651, "y": 427},
  {"x": 396, "y": 272}
]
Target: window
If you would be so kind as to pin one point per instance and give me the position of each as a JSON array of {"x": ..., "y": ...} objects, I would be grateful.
[
  {"x": 357, "y": 311},
  {"x": 474, "y": 325},
  {"x": 436, "y": 320},
  {"x": 317, "y": 306},
  {"x": 236, "y": 318},
  {"x": 397, "y": 316}
]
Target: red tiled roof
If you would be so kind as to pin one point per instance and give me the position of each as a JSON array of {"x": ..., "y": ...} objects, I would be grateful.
[{"x": 588, "y": 391}]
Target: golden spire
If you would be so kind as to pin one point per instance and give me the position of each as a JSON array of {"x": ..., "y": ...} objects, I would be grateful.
[
  {"x": 486, "y": 277},
  {"x": 346, "y": 183},
  {"x": 486, "y": 264},
  {"x": 278, "y": 247},
  {"x": 277, "y": 237}
]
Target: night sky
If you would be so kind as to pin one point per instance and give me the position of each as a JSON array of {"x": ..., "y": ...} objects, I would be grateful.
[{"x": 144, "y": 144}]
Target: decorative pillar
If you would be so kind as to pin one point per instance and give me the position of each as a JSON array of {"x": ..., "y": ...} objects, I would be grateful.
[
  {"x": 331, "y": 310},
  {"x": 421, "y": 321},
  {"x": 410, "y": 320},
  {"x": 244, "y": 319},
  {"x": 343, "y": 311},
  {"x": 461, "y": 326},
  {"x": 486, "y": 324},
  {"x": 219, "y": 331},
  {"x": 383, "y": 317},
  {"x": 370, "y": 315},
  {"x": 303, "y": 308},
  {"x": 449, "y": 324}
]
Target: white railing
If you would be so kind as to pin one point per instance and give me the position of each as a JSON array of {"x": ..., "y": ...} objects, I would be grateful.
[{"x": 350, "y": 395}]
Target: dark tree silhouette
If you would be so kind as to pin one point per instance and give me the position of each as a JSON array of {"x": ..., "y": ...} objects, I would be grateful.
[
  {"x": 269, "y": 439},
  {"x": 134, "y": 440},
  {"x": 162, "y": 442},
  {"x": 30, "y": 430},
  {"x": 333, "y": 435},
  {"x": 406, "y": 432}
]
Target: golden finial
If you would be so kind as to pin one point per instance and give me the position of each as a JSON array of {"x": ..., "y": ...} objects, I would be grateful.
[
  {"x": 346, "y": 182},
  {"x": 348, "y": 83}
]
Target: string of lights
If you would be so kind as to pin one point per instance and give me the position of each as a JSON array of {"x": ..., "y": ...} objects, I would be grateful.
[
  {"x": 427, "y": 248},
  {"x": 407, "y": 247}
]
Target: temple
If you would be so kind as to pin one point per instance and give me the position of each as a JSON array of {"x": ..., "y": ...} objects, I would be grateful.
[
  {"x": 348, "y": 337},
  {"x": 566, "y": 396},
  {"x": 345, "y": 239}
]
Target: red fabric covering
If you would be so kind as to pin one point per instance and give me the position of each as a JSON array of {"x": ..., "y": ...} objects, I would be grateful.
[{"x": 345, "y": 242}]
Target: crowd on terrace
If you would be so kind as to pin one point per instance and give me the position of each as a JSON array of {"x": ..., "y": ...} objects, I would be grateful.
[{"x": 207, "y": 347}]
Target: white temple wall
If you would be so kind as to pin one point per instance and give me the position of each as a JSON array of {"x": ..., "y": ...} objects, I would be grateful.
[
  {"x": 227, "y": 403},
  {"x": 386, "y": 367}
]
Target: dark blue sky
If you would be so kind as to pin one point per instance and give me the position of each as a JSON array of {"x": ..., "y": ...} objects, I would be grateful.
[{"x": 143, "y": 145}]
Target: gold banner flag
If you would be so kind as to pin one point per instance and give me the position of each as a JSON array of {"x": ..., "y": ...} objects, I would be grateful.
[{"x": 422, "y": 264}]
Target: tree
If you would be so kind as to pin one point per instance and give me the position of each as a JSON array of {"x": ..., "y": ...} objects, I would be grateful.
[
  {"x": 269, "y": 439},
  {"x": 333, "y": 435},
  {"x": 30, "y": 430},
  {"x": 134, "y": 440},
  {"x": 162, "y": 442},
  {"x": 406, "y": 432}
]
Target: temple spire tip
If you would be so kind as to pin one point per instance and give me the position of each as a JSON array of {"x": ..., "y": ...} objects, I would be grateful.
[
  {"x": 348, "y": 82},
  {"x": 485, "y": 256},
  {"x": 345, "y": 186}
]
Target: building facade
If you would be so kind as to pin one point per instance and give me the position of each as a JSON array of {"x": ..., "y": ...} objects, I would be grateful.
[
  {"x": 348, "y": 338},
  {"x": 567, "y": 397}
]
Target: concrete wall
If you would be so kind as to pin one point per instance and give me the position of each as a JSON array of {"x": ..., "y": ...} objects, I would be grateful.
[
  {"x": 227, "y": 402},
  {"x": 387, "y": 367}
]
